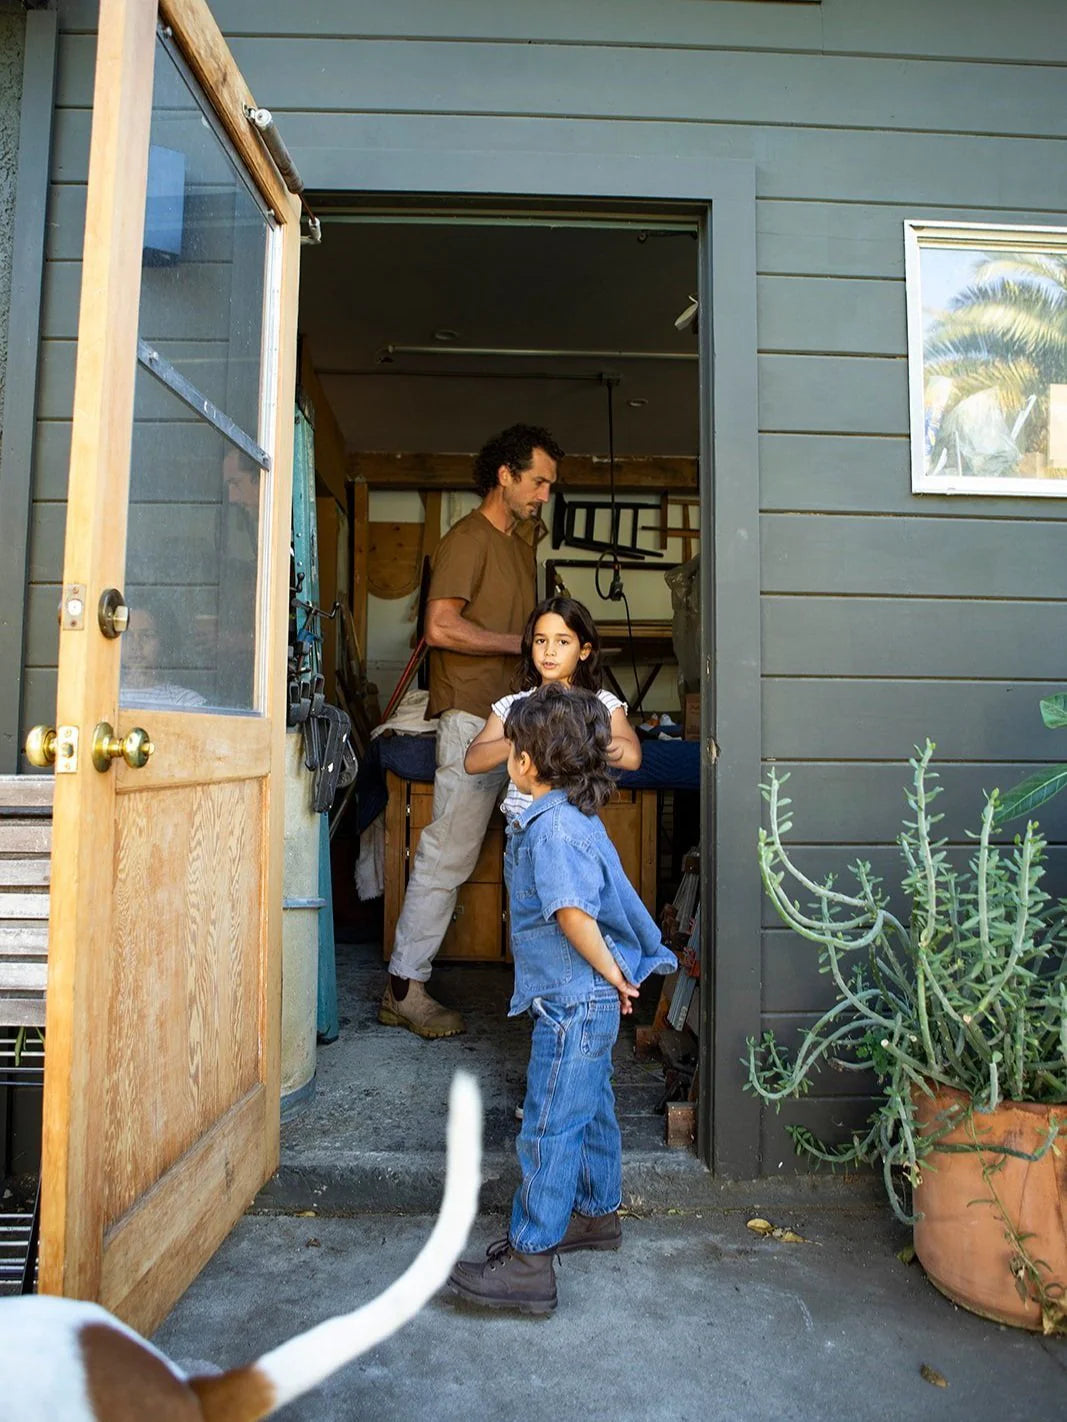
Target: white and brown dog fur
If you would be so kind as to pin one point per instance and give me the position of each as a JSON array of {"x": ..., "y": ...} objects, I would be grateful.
[{"x": 67, "y": 1361}]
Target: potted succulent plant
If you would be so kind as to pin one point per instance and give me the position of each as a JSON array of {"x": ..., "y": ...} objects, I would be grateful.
[{"x": 960, "y": 1008}]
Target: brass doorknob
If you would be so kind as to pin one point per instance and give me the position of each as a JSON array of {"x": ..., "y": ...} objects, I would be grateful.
[
  {"x": 135, "y": 747},
  {"x": 41, "y": 746}
]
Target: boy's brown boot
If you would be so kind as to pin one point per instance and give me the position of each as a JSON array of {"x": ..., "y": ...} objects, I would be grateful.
[
  {"x": 591, "y": 1232},
  {"x": 416, "y": 1010},
  {"x": 507, "y": 1279}
]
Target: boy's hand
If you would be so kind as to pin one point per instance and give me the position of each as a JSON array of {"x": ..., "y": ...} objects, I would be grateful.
[{"x": 627, "y": 993}]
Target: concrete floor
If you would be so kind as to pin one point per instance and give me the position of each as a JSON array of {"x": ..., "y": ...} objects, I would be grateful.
[
  {"x": 695, "y": 1319},
  {"x": 371, "y": 1137}
]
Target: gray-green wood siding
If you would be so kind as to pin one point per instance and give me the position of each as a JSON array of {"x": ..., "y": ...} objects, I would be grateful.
[{"x": 885, "y": 617}]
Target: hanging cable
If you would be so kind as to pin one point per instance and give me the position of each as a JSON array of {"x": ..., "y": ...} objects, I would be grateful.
[{"x": 616, "y": 592}]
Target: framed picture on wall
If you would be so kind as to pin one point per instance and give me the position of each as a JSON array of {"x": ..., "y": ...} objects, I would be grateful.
[{"x": 987, "y": 358}]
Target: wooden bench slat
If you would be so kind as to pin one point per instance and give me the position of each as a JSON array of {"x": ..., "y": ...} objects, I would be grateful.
[
  {"x": 22, "y": 1011},
  {"x": 36, "y": 873},
  {"x": 24, "y": 936},
  {"x": 23, "y": 905},
  {"x": 26, "y": 837},
  {"x": 19, "y": 790},
  {"x": 22, "y": 978}
]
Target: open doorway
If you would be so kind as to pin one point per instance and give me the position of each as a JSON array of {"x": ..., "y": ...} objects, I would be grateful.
[{"x": 425, "y": 331}]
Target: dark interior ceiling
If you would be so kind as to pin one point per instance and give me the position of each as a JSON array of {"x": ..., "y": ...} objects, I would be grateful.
[{"x": 591, "y": 300}]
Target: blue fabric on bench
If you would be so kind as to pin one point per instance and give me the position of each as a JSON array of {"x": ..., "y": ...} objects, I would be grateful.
[{"x": 665, "y": 765}]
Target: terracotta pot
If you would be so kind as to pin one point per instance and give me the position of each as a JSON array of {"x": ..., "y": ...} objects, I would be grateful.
[{"x": 960, "y": 1240}]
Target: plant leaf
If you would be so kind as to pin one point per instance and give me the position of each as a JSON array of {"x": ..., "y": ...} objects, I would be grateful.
[
  {"x": 1024, "y": 798},
  {"x": 1054, "y": 710}
]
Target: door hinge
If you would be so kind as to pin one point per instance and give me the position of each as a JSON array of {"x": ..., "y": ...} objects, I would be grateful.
[{"x": 711, "y": 750}]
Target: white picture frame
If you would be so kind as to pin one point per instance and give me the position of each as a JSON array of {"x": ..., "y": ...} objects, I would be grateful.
[{"x": 987, "y": 358}]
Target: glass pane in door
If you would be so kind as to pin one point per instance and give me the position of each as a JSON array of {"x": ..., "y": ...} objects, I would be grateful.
[{"x": 199, "y": 479}]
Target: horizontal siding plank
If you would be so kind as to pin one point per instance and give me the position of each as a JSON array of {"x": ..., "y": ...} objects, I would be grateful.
[
  {"x": 914, "y": 637},
  {"x": 190, "y": 301},
  {"x": 38, "y": 701},
  {"x": 65, "y": 226},
  {"x": 860, "y": 474},
  {"x": 908, "y": 27},
  {"x": 863, "y": 803},
  {"x": 833, "y": 395},
  {"x": 631, "y": 82},
  {"x": 48, "y": 524},
  {"x": 42, "y": 624},
  {"x": 359, "y": 153},
  {"x": 818, "y": 718},
  {"x": 834, "y": 239},
  {"x": 831, "y": 316},
  {"x": 911, "y": 557},
  {"x": 51, "y": 464},
  {"x": 833, "y": 1121}
]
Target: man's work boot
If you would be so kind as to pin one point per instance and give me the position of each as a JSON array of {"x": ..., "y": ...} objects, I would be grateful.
[
  {"x": 591, "y": 1232},
  {"x": 507, "y": 1279},
  {"x": 411, "y": 1006}
]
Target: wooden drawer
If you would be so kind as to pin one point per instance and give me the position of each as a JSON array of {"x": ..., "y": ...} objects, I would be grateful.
[
  {"x": 489, "y": 868},
  {"x": 479, "y": 930}
]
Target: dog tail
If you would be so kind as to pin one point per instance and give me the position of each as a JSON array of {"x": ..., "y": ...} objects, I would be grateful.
[{"x": 246, "y": 1394}]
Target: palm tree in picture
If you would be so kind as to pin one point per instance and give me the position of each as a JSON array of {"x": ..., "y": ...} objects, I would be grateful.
[{"x": 991, "y": 357}]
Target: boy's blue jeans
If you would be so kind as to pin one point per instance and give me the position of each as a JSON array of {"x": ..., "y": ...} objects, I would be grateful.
[{"x": 569, "y": 1148}]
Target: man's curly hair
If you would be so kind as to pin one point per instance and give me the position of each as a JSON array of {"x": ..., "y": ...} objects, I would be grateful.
[
  {"x": 514, "y": 448},
  {"x": 566, "y": 733}
]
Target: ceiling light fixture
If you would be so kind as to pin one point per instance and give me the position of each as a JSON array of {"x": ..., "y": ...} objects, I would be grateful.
[
  {"x": 445, "y": 333},
  {"x": 637, "y": 403}
]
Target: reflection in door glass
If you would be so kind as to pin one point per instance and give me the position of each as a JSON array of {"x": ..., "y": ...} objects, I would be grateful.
[
  {"x": 192, "y": 560},
  {"x": 196, "y": 482}
]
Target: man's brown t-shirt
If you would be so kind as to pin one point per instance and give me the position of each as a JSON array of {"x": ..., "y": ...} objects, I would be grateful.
[{"x": 495, "y": 574}]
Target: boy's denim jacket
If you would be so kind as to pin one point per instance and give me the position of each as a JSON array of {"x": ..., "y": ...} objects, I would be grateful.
[{"x": 558, "y": 857}]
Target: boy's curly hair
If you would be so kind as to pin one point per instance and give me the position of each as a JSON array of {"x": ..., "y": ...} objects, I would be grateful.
[
  {"x": 514, "y": 448},
  {"x": 566, "y": 733}
]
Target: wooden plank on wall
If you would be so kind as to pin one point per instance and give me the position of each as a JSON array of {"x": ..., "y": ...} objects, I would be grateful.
[
  {"x": 578, "y": 471},
  {"x": 705, "y": 85},
  {"x": 826, "y": 718},
  {"x": 826, "y": 473},
  {"x": 911, "y": 637},
  {"x": 860, "y": 802},
  {"x": 909, "y": 557}
]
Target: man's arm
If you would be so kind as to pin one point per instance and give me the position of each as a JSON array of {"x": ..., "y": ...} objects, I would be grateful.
[
  {"x": 447, "y": 628},
  {"x": 583, "y": 934}
]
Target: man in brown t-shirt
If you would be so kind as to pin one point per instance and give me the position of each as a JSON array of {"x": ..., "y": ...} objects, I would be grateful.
[{"x": 483, "y": 586}]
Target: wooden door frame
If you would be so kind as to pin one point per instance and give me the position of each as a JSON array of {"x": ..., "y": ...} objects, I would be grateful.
[
  {"x": 543, "y": 161},
  {"x": 94, "y": 558}
]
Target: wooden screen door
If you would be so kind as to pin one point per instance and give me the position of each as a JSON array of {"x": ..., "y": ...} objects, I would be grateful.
[{"x": 162, "y": 1077}]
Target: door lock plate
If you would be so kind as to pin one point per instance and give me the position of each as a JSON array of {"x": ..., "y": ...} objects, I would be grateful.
[
  {"x": 72, "y": 608},
  {"x": 66, "y": 750}
]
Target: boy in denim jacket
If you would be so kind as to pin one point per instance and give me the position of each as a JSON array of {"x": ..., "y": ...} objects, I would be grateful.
[{"x": 583, "y": 942}]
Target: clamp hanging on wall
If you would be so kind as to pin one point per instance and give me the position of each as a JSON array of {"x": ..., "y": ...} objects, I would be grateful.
[{"x": 262, "y": 120}]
